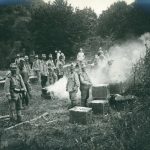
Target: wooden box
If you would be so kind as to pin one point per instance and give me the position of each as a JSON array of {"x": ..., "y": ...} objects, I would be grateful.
[
  {"x": 115, "y": 88},
  {"x": 47, "y": 94},
  {"x": 2, "y": 84},
  {"x": 100, "y": 92},
  {"x": 80, "y": 115},
  {"x": 33, "y": 79},
  {"x": 99, "y": 106}
]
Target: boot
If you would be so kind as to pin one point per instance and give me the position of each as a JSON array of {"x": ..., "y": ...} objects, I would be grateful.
[{"x": 19, "y": 119}]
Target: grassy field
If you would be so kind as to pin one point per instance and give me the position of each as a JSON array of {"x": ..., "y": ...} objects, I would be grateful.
[{"x": 108, "y": 132}]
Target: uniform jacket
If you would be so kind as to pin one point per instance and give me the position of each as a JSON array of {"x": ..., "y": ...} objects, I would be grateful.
[
  {"x": 85, "y": 81},
  {"x": 36, "y": 65},
  {"x": 50, "y": 63},
  {"x": 80, "y": 56},
  {"x": 27, "y": 67},
  {"x": 73, "y": 82},
  {"x": 60, "y": 67},
  {"x": 12, "y": 83},
  {"x": 44, "y": 68}
]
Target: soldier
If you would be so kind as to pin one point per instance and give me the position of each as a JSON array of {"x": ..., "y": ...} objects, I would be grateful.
[
  {"x": 50, "y": 61},
  {"x": 96, "y": 60},
  {"x": 63, "y": 57},
  {"x": 57, "y": 56},
  {"x": 27, "y": 65},
  {"x": 80, "y": 57},
  {"x": 101, "y": 54},
  {"x": 17, "y": 60},
  {"x": 14, "y": 88},
  {"x": 85, "y": 85},
  {"x": 60, "y": 68},
  {"x": 25, "y": 77},
  {"x": 36, "y": 67},
  {"x": 44, "y": 71},
  {"x": 52, "y": 77},
  {"x": 73, "y": 85}
]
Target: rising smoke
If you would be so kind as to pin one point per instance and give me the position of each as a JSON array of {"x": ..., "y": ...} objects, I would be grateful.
[{"x": 122, "y": 58}]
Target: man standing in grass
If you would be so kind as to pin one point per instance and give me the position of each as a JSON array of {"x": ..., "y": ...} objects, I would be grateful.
[
  {"x": 73, "y": 85},
  {"x": 44, "y": 71},
  {"x": 14, "y": 89},
  {"x": 36, "y": 67},
  {"x": 85, "y": 84}
]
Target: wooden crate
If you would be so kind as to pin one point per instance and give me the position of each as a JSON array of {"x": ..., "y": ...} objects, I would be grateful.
[
  {"x": 2, "y": 84},
  {"x": 81, "y": 115},
  {"x": 99, "y": 106},
  {"x": 33, "y": 79},
  {"x": 100, "y": 92},
  {"x": 115, "y": 88},
  {"x": 47, "y": 94}
]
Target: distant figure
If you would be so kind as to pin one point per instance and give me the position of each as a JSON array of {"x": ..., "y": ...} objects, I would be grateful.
[
  {"x": 85, "y": 84},
  {"x": 96, "y": 60},
  {"x": 36, "y": 67},
  {"x": 73, "y": 85},
  {"x": 31, "y": 60},
  {"x": 60, "y": 68},
  {"x": 52, "y": 77},
  {"x": 44, "y": 71},
  {"x": 63, "y": 57},
  {"x": 17, "y": 60},
  {"x": 27, "y": 65},
  {"x": 101, "y": 54},
  {"x": 14, "y": 90},
  {"x": 80, "y": 57},
  {"x": 50, "y": 61},
  {"x": 25, "y": 76}
]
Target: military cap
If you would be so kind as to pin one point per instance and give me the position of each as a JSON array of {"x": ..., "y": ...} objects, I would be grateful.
[
  {"x": 26, "y": 57},
  {"x": 43, "y": 55},
  {"x": 36, "y": 56},
  {"x": 13, "y": 66},
  {"x": 50, "y": 55}
]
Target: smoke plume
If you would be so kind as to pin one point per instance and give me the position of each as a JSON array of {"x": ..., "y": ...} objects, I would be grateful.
[{"x": 121, "y": 59}]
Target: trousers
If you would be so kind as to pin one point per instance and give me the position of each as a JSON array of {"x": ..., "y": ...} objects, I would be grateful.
[
  {"x": 73, "y": 98},
  {"x": 84, "y": 96},
  {"x": 43, "y": 81}
]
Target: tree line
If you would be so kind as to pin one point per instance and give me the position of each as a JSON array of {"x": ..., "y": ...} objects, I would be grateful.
[{"x": 44, "y": 28}]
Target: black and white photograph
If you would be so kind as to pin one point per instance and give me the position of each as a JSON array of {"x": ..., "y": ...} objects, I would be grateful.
[{"x": 74, "y": 74}]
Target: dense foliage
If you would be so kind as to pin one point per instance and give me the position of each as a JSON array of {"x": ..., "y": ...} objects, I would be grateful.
[{"x": 46, "y": 27}]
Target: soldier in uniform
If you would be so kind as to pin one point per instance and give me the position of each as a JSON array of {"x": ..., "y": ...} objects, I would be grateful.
[
  {"x": 27, "y": 66},
  {"x": 25, "y": 76},
  {"x": 80, "y": 57},
  {"x": 85, "y": 85},
  {"x": 73, "y": 85},
  {"x": 60, "y": 68},
  {"x": 14, "y": 88},
  {"x": 50, "y": 61},
  {"x": 44, "y": 71},
  {"x": 52, "y": 77},
  {"x": 63, "y": 57},
  {"x": 36, "y": 67},
  {"x": 17, "y": 60}
]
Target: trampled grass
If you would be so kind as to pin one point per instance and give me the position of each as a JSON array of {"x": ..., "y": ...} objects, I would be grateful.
[{"x": 124, "y": 130}]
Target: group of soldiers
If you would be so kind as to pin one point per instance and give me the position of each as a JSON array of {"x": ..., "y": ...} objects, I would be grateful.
[
  {"x": 17, "y": 85},
  {"x": 18, "y": 88},
  {"x": 79, "y": 79}
]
